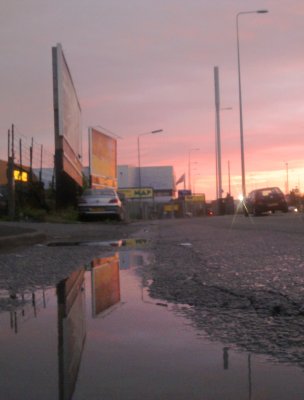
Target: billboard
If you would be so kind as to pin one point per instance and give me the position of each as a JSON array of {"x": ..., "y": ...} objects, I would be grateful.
[
  {"x": 67, "y": 121},
  {"x": 102, "y": 159}
]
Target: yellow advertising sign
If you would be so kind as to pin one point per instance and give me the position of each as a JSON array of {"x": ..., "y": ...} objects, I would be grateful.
[
  {"x": 171, "y": 207},
  {"x": 195, "y": 198},
  {"x": 137, "y": 193},
  {"x": 20, "y": 175}
]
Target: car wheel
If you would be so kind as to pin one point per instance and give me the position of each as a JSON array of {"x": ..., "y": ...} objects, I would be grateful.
[
  {"x": 81, "y": 217},
  {"x": 121, "y": 216}
]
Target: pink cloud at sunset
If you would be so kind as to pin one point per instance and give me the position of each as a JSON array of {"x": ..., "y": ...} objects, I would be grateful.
[{"x": 143, "y": 65}]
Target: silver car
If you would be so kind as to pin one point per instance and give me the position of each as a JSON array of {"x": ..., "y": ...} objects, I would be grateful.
[{"x": 100, "y": 202}]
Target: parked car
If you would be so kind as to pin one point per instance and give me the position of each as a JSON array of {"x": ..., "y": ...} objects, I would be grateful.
[
  {"x": 100, "y": 202},
  {"x": 269, "y": 199}
]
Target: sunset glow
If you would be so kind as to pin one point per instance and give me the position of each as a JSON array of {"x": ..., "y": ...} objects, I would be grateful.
[{"x": 140, "y": 66}]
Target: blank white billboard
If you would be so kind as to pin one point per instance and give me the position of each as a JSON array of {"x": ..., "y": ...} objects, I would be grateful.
[{"x": 67, "y": 112}]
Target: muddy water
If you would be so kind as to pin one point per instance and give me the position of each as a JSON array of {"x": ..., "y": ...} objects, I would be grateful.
[{"x": 98, "y": 335}]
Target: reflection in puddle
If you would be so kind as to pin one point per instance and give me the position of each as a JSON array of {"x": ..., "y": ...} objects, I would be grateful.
[
  {"x": 98, "y": 335},
  {"x": 105, "y": 284},
  {"x": 71, "y": 330},
  {"x": 107, "y": 243}
]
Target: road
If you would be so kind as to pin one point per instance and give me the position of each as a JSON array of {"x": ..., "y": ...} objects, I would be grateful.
[{"x": 240, "y": 280}]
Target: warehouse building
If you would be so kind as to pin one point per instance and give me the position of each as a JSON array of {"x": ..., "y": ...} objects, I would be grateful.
[{"x": 161, "y": 179}]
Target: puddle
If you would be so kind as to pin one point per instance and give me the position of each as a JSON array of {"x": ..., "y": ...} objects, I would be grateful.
[
  {"x": 108, "y": 243},
  {"x": 98, "y": 335}
]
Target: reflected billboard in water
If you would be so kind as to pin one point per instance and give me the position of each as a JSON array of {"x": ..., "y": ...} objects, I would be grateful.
[
  {"x": 71, "y": 330},
  {"x": 105, "y": 283}
]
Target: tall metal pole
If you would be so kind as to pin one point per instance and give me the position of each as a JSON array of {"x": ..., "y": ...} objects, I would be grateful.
[
  {"x": 13, "y": 142},
  {"x": 20, "y": 173},
  {"x": 10, "y": 179},
  {"x": 189, "y": 166},
  {"x": 287, "y": 183},
  {"x": 219, "y": 189},
  {"x": 189, "y": 178},
  {"x": 139, "y": 166},
  {"x": 20, "y": 159},
  {"x": 31, "y": 160},
  {"x": 229, "y": 187},
  {"x": 40, "y": 172},
  {"x": 241, "y": 109},
  {"x": 8, "y": 143},
  {"x": 240, "y": 96}
]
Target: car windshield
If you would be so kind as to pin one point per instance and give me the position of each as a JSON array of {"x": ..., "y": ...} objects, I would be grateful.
[
  {"x": 269, "y": 191},
  {"x": 99, "y": 192}
]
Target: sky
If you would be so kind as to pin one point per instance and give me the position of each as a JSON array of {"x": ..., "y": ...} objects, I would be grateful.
[{"x": 144, "y": 65}]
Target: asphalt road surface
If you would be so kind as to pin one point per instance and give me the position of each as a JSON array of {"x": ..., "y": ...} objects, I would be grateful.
[
  {"x": 238, "y": 279},
  {"x": 241, "y": 278}
]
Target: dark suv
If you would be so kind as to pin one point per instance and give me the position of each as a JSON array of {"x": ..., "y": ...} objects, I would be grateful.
[{"x": 264, "y": 200}]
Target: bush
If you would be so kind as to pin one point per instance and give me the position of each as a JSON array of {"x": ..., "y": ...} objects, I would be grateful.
[
  {"x": 33, "y": 214},
  {"x": 64, "y": 215}
]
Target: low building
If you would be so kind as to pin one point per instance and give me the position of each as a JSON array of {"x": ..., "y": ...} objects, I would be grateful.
[{"x": 161, "y": 179}]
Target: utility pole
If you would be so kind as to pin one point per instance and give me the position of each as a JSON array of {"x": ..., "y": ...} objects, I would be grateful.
[
  {"x": 31, "y": 160},
  {"x": 219, "y": 189},
  {"x": 10, "y": 178},
  {"x": 40, "y": 172},
  {"x": 287, "y": 183},
  {"x": 229, "y": 186}
]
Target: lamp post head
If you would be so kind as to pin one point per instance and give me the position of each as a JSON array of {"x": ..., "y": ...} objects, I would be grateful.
[
  {"x": 262, "y": 11},
  {"x": 157, "y": 131}
]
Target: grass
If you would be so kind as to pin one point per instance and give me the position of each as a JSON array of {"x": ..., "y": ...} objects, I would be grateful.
[{"x": 69, "y": 215}]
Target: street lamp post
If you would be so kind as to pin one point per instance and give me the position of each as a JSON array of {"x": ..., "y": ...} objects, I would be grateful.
[
  {"x": 139, "y": 166},
  {"x": 287, "y": 184},
  {"x": 240, "y": 95},
  {"x": 189, "y": 166},
  {"x": 229, "y": 186}
]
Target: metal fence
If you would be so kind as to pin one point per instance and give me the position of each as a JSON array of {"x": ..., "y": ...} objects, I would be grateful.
[{"x": 30, "y": 156}]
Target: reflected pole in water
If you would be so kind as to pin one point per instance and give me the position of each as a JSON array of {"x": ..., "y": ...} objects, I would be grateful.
[
  {"x": 249, "y": 377},
  {"x": 15, "y": 322},
  {"x": 34, "y": 304},
  {"x": 226, "y": 357}
]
